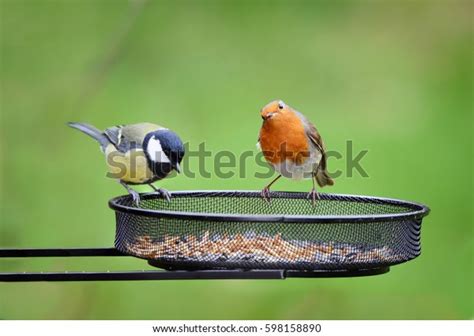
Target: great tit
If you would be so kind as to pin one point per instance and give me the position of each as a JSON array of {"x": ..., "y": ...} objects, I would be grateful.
[{"x": 138, "y": 154}]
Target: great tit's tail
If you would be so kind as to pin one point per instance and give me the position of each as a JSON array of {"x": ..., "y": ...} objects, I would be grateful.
[{"x": 92, "y": 132}]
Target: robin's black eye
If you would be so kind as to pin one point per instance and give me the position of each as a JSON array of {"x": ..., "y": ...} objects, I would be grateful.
[{"x": 281, "y": 106}]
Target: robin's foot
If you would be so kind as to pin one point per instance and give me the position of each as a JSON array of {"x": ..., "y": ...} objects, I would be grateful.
[
  {"x": 266, "y": 194},
  {"x": 163, "y": 192},
  {"x": 313, "y": 195}
]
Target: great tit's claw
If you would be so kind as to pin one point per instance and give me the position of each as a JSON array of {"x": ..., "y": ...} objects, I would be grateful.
[
  {"x": 163, "y": 192},
  {"x": 136, "y": 197}
]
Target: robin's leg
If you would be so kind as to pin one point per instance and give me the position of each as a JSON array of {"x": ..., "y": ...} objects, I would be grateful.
[
  {"x": 266, "y": 191},
  {"x": 135, "y": 195},
  {"x": 313, "y": 194},
  {"x": 163, "y": 192}
]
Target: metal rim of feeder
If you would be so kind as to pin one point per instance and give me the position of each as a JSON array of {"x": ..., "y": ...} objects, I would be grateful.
[{"x": 418, "y": 210}]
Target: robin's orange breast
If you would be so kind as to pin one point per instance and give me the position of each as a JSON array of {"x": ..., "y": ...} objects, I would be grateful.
[{"x": 283, "y": 137}]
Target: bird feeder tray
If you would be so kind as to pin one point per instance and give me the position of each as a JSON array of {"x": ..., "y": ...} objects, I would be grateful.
[{"x": 206, "y": 230}]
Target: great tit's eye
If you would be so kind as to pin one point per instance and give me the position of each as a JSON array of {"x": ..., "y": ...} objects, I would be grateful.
[{"x": 281, "y": 105}]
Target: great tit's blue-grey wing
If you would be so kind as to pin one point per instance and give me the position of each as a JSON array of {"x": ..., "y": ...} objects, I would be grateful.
[
  {"x": 127, "y": 137},
  {"x": 114, "y": 134}
]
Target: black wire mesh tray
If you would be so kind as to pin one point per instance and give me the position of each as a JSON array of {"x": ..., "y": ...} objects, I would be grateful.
[{"x": 240, "y": 230}]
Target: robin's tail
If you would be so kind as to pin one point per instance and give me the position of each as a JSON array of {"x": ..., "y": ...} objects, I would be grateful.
[{"x": 323, "y": 178}]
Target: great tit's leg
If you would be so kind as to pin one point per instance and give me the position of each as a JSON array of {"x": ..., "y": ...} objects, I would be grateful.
[
  {"x": 163, "y": 192},
  {"x": 313, "y": 194},
  {"x": 135, "y": 195},
  {"x": 266, "y": 191},
  {"x": 153, "y": 187}
]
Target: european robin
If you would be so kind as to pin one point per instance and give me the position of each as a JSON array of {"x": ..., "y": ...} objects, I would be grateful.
[{"x": 292, "y": 146}]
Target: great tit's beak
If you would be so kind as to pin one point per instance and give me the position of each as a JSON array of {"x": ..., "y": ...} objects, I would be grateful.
[{"x": 177, "y": 167}]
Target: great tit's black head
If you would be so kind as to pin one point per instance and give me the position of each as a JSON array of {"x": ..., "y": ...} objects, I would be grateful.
[{"x": 164, "y": 148}]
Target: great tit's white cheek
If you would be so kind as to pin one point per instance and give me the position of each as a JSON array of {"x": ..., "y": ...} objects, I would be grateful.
[{"x": 155, "y": 151}]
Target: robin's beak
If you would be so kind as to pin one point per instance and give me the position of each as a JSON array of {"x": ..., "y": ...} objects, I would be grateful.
[
  {"x": 177, "y": 167},
  {"x": 267, "y": 115}
]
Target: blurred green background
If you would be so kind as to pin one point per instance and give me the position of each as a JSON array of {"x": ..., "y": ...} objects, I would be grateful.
[{"x": 395, "y": 77}]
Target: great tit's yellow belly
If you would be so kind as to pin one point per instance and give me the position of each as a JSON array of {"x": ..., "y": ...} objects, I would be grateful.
[{"x": 129, "y": 167}]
